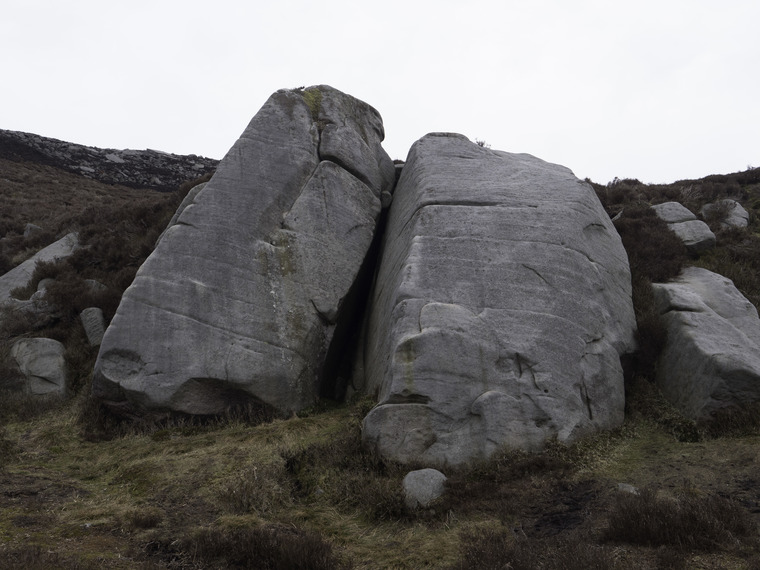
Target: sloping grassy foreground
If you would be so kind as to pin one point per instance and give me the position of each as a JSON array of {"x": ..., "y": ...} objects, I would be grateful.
[{"x": 302, "y": 493}]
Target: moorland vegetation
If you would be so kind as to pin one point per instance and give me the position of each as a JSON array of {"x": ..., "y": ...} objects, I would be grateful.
[{"x": 81, "y": 489}]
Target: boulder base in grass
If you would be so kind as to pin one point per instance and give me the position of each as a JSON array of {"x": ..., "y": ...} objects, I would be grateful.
[
  {"x": 501, "y": 308},
  {"x": 42, "y": 363},
  {"x": 730, "y": 213},
  {"x": 711, "y": 360},
  {"x": 246, "y": 292}
]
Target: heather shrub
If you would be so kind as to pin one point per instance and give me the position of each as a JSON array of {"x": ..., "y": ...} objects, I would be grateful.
[
  {"x": 266, "y": 548},
  {"x": 34, "y": 557},
  {"x": 258, "y": 488},
  {"x": 145, "y": 517},
  {"x": 348, "y": 475},
  {"x": 689, "y": 521},
  {"x": 496, "y": 550},
  {"x": 654, "y": 252}
]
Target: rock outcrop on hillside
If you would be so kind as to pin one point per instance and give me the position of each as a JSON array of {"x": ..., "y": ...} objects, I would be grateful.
[
  {"x": 20, "y": 275},
  {"x": 501, "y": 309},
  {"x": 134, "y": 168},
  {"x": 695, "y": 234},
  {"x": 730, "y": 213},
  {"x": 711, "y": 359},
  {"x": 245, "y": 293}
]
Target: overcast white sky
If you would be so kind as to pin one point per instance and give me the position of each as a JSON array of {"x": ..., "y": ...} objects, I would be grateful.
[{"x": 658, "y": 90}]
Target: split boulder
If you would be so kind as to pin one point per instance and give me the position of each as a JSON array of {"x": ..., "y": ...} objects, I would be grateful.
[
  {"x": 695, "y": 234},
  {"x": 711, "y": 359},
  {"x": 501, "y": 308},
  {"x": 246, "y": 292}
]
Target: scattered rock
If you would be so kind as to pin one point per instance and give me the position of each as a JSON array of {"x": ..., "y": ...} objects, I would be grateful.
[
  {"x": 94, "y": 325},
  {"x": 695, "y": 234},
  {"x": 20, "y": 275},
  {"x": 41, "y": 361},
  {"x": 94, "y": 286},
  {"x": 626, "y": 488},
  {"x": 501, "y": 308},
  {"x": 422, "y": 487},
  {"x": 730, "y": 213},
  {"x": 711, "y": 359},
  {"x": 31, "y": 229},
  {"x": 247, "y": 293}
]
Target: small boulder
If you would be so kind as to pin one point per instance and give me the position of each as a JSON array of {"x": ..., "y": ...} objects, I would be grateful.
[
  {"x": 711, "y": 359},
  {"x": 422, "y": 487},
  {"x": 730, "y": 213},
  {"x": 31, "y": 229},
  {"x": 94, "y": 324},
  {"x": 694, "y": 233},
  {"x": 42, "y": 363}
]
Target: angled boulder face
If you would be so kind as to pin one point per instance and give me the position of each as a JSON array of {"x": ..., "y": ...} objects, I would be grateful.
[
  {"x": 19, "y": 276},
  {"x": 695, "y": 234},
  {"x": 501, "y": 308},
  {"x": 243, "y": 294},
  {"x": 712, "y": 356}
]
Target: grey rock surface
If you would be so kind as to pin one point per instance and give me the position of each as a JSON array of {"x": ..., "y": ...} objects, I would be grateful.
[
  {"x": 673, "y": 212},
  {"x": 422, "y": 487},
  {"x": 712, "y": 356},
  {"x": 42, "y": 363},
  {"x": 94, "y": 324},
  {"x": 245, "y": 293},
  {"x": 186, "y": 201},
  {"x": 501, "y": 308},
  {"x": 695, "y": 234},
  {"x": 20, "y": 275},
  {"x": 735, "y": 214}
]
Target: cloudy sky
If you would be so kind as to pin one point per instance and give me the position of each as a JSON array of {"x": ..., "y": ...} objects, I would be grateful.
[{"x": 658, "y": 90}]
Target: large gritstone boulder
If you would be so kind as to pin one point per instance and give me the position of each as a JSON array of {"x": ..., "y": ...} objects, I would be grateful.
[
  {"x": 711, "y": 359},
  {"x": 501, "y": 308},
  {"x": 242, "y": 296}
]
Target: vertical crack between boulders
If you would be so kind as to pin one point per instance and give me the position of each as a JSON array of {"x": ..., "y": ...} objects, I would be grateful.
[{"x": 345, "y": 344}]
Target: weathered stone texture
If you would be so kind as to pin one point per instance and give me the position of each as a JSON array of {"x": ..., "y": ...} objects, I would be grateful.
[
  {"x": 243, "y": 293},
  {"x": 712, "y": 356},
  {"x": 42, "y": 363},
  {"x": 501, "y": 308}
]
